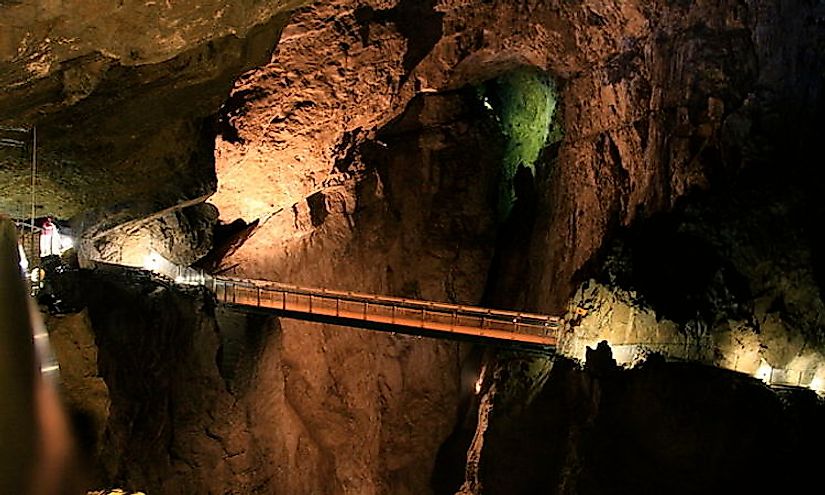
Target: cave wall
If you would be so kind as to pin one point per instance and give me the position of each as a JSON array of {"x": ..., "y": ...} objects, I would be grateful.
[
  {"x": 202, "y": 399},
  {"x": 171, "y": 424},
  {"x": 730, "y": 278},
  {"x": 740, "y": 128},
  {"x": 181, "y": 236},
  {"x": 121, "y": 95},
  {"x": 686, "y": 107},
  {"x": 657, "y": 99},
  {"x": 426, "y": 231},
  {"x": 662, "y": 428}
]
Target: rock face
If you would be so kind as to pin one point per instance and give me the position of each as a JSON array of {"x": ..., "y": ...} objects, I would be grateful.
[
  {"x": 728, "y": 280},
  {"x": 719, "y": 271},
  {"x": 364, "y": 151},
  {"x": 172, "y": 427},
  {"x": 733, "y": 275},
  {"x": 657, "y": 100},
  {"x": 204, "y": 401},
  {"x": 182, "y": 237},
  {"x": 121, "y": 95},
  {"x": 426, "y": 231},
  {"x": 85, "y": 392},
  {"x": 662, "y": 428},
  {"x": 290, "y": 403}
]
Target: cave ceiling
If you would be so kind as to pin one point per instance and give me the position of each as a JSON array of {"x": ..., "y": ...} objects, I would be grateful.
[
  {"x": 354, "y": 132},
  {"x": 125, "y": 97},
  {"x": 145, "y": 106},
  {"x": 120, "y": 94}
]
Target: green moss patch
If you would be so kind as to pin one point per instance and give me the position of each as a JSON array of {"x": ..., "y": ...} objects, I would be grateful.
[{"x": 523, "y": 102}]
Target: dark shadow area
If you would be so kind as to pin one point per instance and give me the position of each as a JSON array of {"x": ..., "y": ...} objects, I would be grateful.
[
  {"x": 227, "y": 238},
  {"x": 451, "y": 459},
  {"x": 511, "y": 263},
  {"x": 663, "y": 428}
]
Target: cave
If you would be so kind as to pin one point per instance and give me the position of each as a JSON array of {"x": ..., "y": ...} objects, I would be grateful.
[{"x": 456, "y": 247}]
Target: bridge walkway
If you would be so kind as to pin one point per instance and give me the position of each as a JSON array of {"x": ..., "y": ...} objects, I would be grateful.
[{"x": 393, "y": 314}]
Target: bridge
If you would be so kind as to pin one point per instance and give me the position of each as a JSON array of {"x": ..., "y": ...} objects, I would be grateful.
[{"x": 392, "y": 314}]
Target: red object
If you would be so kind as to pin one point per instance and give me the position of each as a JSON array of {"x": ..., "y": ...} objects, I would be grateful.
[{"x": 48, "y": 227}]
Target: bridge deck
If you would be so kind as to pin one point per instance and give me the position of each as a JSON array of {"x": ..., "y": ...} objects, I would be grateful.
[{"x": 389, "y": 313}]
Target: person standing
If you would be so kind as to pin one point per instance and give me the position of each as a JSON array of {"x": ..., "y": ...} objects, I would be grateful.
[{"x": 49, "y": 238}]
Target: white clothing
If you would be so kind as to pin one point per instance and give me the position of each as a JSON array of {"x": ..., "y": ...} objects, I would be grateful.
[{"x": 49, "y": 240}]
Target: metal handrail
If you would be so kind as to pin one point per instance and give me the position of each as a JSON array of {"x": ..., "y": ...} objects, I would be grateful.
[
  {"x": 473, "y": 311},
  {"x": 428, "y": 315},
  {"x": 781, "y": 377}
]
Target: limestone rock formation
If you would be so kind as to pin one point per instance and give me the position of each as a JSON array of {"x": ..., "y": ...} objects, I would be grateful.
[
  {"x": 121, "y": 94},
  {"x": 661, "y": 428},
  {"x": 84, "y": 390},
  {"x": 181, "y": 236},
  {"x": 360, "y": 141},
  {"x": 734, "y": 276}
]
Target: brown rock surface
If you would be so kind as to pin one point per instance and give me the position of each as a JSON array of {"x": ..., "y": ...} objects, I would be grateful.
[
  {"x": 358, "y": 149},
  {"x": 386, "y": 403},
  {"x": 664, "y": 428},
  {"x": 120, "y": 93},
  {"x": 84, "y": 390}
]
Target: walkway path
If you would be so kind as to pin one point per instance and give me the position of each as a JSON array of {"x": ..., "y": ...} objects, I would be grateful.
[{"x": 393, "y": 314}]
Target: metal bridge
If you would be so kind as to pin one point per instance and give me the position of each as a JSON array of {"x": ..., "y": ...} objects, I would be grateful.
[{"x": 392, "y": 314}]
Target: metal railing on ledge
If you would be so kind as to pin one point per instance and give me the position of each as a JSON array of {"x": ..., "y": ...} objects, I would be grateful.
[
  {"x": 386, "y": 313},
  {"x": 701, "y": 351},
  {"x": 437, "y": 319}
]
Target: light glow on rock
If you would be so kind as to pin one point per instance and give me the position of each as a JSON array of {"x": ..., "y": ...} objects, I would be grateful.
[
  {"x": 764, "y": 372},
  {"x": 152, "y": 261},
  {"x": 818, "y": 383},
  {"x": 480, "y": 380}
]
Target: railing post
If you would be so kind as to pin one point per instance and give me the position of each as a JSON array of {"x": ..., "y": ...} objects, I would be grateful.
[
  {"x": 392, "y": 316},
  {"x": 234, "y": 293},
  {"x": 283, "y": 300},
  {"x": 366, "y": 305},
  {"x": 258, "y": 290},
  {"x": 337, "y": 306},
  {"x": 423, "y": 316},
  {"x": 310, "y": 303}
]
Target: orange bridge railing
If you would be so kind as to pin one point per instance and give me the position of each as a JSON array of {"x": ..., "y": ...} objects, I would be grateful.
[{"x": 389, "y": 313}]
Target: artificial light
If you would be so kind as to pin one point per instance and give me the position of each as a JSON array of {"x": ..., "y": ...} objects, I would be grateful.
[
  {"x": 152, "y": 261},
  {"x": 764, "y": 372},
  {"x": 480, "y": 380},
  {"x": 817, "y": 385}
]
